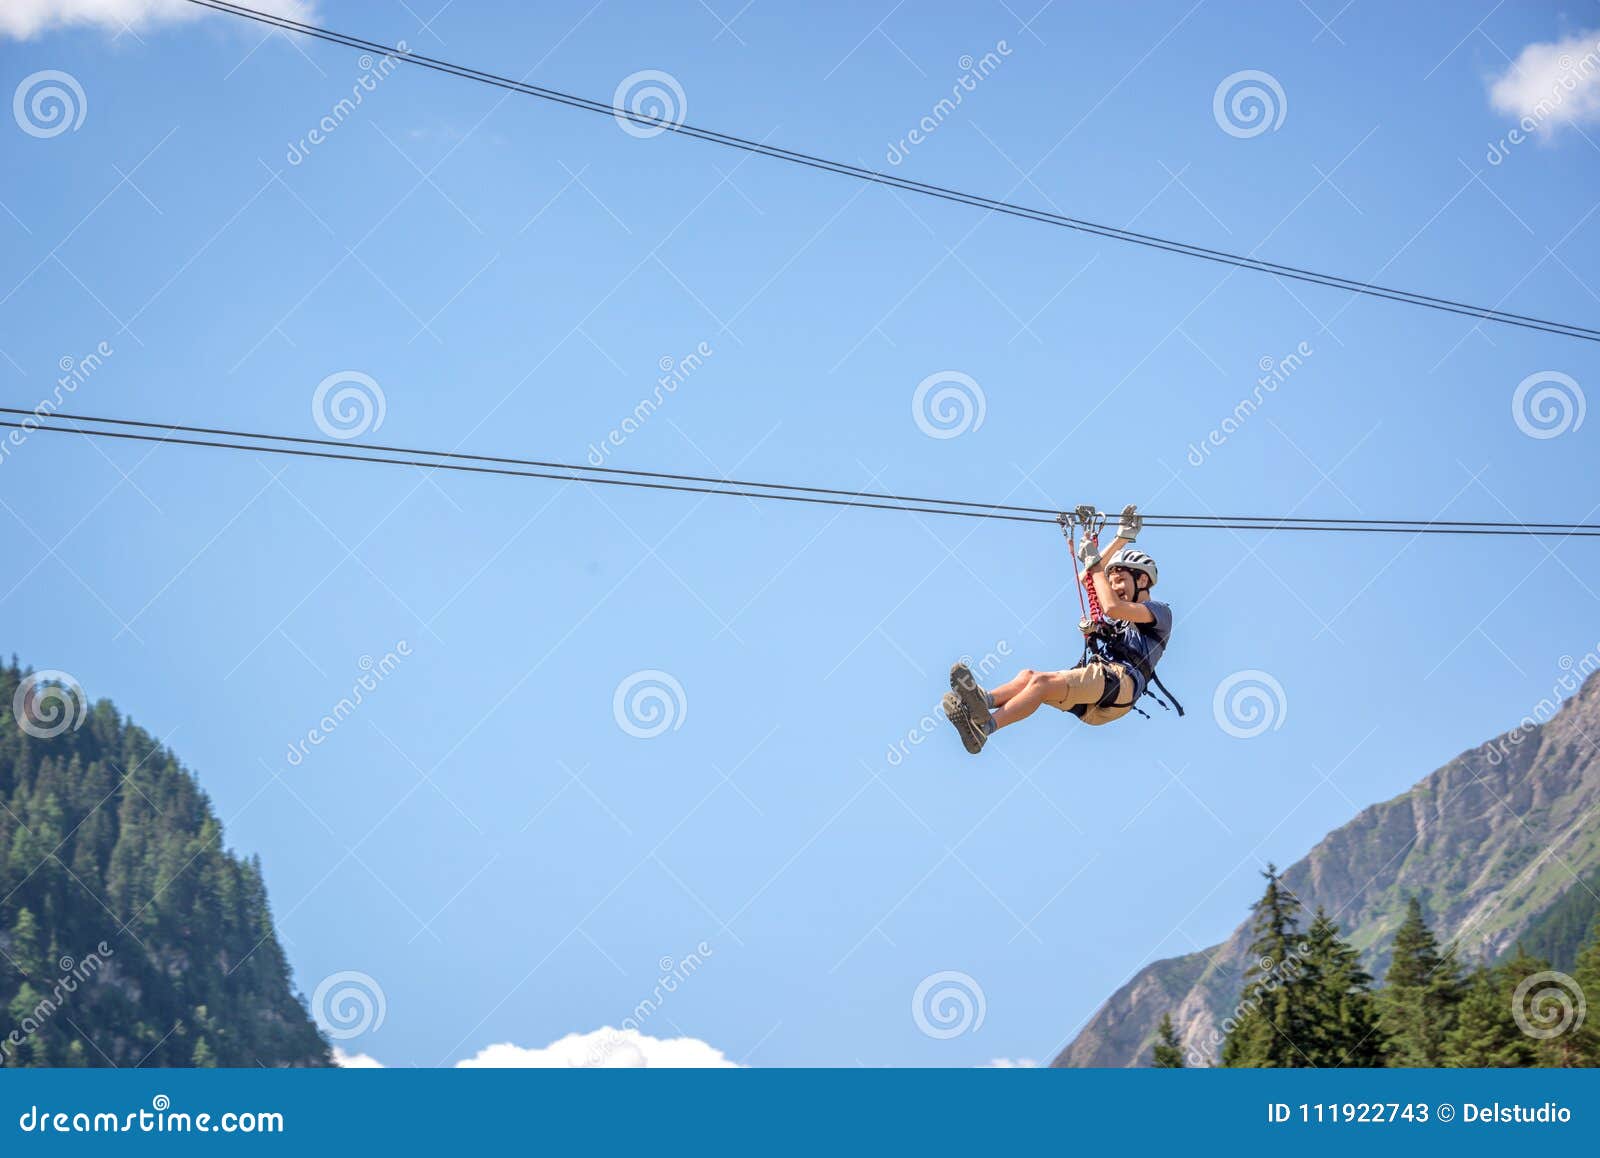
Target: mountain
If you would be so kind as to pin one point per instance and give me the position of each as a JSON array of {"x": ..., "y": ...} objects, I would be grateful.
[
  {"x": 1494, "y": 845},
  {"x": 128, "y": 934}
]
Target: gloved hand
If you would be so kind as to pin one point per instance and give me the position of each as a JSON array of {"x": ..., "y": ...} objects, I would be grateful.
[
  {"x": 1132, "y": 523},
  {"x": 1089, "y": 554}
]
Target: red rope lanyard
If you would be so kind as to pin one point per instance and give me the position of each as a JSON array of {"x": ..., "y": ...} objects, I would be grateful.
[
  {"x": 1072, "y": 541},
  {"x": 1094, "y": 599},
  {"x": 1090, "y": 610}
]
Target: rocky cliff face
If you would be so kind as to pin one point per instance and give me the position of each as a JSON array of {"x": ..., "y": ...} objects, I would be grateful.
[{"x": 1488, "y": 843}]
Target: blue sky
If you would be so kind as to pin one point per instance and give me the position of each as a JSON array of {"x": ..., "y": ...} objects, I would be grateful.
[{"x": 482, "y": 838}]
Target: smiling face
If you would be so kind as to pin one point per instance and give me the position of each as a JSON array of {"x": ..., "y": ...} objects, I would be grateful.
[{"x": 1123, "y": 584}]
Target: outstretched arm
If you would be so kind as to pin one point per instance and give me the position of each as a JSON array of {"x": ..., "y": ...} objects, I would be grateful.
[{"x": 1114, "y": 608}]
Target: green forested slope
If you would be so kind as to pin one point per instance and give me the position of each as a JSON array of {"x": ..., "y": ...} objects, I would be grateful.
[{"x": 128, "y": 934}]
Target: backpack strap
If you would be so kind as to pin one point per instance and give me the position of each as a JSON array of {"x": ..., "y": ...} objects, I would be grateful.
[{"x": 1156, "y": 680}]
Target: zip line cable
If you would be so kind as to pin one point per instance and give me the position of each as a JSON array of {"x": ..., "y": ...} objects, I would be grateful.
[
  {"x": 1169, "y": 520},
  {"x": 345, "y": 451},
  {"x": 505, "y": 471},
  {"x": 1224, "y": 257}
]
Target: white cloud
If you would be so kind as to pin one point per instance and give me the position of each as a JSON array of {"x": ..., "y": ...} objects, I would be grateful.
[
  {"x": 355, "y": 1061},
  {"x": 1011, "y": 1063},
  {"x": 1552, "y": 84},
  {"x": 605, "y": 1048},
  {"x": 24, "y": 18}
]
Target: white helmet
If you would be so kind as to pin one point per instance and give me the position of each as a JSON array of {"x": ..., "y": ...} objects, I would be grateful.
[{"x": 1135, "y": 560}]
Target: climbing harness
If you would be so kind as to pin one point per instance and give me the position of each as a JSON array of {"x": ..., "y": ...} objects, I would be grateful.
[{"x": 1099, "y": 635}]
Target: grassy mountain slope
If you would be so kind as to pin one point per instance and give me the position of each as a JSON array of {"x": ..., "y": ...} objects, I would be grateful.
[{"x": 1492, "y": 844}]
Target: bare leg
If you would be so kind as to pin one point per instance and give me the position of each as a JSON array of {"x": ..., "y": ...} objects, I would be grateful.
[
  {"x": 1037, "y": 689},
  {"x": 1063, "y": 689},
  {"x": 1011, "y": 687}
]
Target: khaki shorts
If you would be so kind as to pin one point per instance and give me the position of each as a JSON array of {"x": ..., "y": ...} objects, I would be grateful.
[{"x": 1085, "y": 685}]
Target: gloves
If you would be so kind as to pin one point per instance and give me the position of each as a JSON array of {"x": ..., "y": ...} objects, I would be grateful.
[
  {"x": 1089, "y": 554},
  {"x": 1132, "y": 523}
]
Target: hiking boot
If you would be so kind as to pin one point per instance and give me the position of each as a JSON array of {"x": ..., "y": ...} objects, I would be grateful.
[
  {"x": 972, "y": 696},
  {"x": 972, "y": 738}
]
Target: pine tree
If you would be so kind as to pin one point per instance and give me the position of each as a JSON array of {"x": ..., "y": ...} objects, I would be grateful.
[
  {"x": 1272, "y": 1026},
  {"x": 83, "y": 848},
  {"x": 1344, "y": 1019},
  {"x": 1168, "y": 1052},
  {"x": 1545, "y": 1010},
  {"x": 1485, "y": 1033},
  {"x": 1586, "y": 974},
  {"x": 26, "y": 950},
  {"x": 1421, "y": 991}
]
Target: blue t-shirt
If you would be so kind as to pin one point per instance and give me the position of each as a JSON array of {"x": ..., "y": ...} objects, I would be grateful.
[{"x": 1141, "y": 644}]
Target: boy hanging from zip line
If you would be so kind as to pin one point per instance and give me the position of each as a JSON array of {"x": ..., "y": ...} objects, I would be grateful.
[{"x": 1119, "y": 659}]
